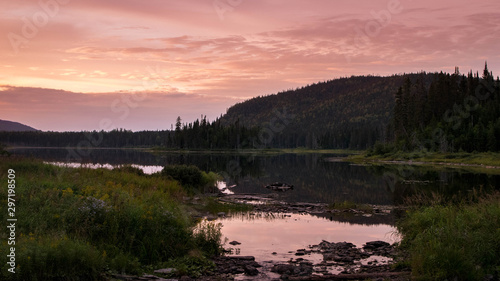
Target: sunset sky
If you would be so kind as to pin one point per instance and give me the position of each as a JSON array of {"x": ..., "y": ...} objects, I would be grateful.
[{"x": 71, "y": 65}]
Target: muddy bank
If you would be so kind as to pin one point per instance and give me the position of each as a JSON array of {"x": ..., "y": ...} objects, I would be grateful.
[
  {"x": 341, "y": 261},
  {"x": 365, "y": 214}
]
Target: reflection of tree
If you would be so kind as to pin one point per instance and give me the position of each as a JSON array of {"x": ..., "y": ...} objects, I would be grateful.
[
  {"x": 95, "y": 156},
  {"x": 447, "y": 183},
  {"x": 359, "y": 219},
  {"x": 316, "y": 180},
  {"x": 250, "y": 216},
  {"x": 341, "y": 217}
]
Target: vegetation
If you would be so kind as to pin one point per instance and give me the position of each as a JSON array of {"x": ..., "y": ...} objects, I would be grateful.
[
  {"x": 390, "y": 153},
  {"x": 191, "y": 177},
  {"x": 214, "y": 206},
  {"x": 78, "y": 224},
  {"x": 349, "y": 205},
  {"x": 338, "y": 114},
  {"x": 3, "y": 152},
  {"x": 453, "y": 241},
  {"x": 456, "y": 113},
  {"x": 423, "y": 111},
  {"x": 197, "y": 135}
]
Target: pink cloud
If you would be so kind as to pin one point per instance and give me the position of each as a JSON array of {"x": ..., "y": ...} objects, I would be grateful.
[{"x": 94, "y": 49}]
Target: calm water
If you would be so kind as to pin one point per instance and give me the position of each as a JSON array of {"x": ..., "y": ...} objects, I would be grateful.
[
  {"x": 277, "y": 236},
  {"x": 316, "y": 178}
]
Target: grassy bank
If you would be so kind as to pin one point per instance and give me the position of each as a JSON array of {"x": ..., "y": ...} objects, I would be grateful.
[
  {"x": 264, "y": 151},
  {"x": 82, "y": 224},
  {"x": 491, "y": 159},
  {"x": 453, "y": 242}
]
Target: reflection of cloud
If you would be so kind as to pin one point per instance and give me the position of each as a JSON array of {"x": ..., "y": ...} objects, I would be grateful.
[{"x": 260, "y": 237}]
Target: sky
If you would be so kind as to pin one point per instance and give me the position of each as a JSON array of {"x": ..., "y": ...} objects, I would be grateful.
[{"x": 72, "y": 65}]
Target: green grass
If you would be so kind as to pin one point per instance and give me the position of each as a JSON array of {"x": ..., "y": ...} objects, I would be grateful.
[
  {"x": 214, "y": 206},
  {"x": 265, "y": 151},
  {"x": 78, "y": 224},
  {"x": 453, "y": 241},
  {"x": 302, "y": 150},
  {"x": 349, "y": 205},
  {"x": 488, "y": 162}
]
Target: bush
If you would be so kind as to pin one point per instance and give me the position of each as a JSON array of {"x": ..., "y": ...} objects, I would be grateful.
[
  {"x": 191, "y": 177},
  {"x": 129, "y": 169},
  {"x": 77, "y": 224},
  {"x": 207, "y": 236},
  {"x": 380, "y": 149},
  {"x": 454, "y": 242},
  {"x": 194, "y": 264},
  {"x": 3, "y": 151},
  {"x": 52, "y": 258},
  {"x": 187, "y": 176}
]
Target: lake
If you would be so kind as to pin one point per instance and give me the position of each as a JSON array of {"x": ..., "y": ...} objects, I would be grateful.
[{"x": 317, "y": 178}]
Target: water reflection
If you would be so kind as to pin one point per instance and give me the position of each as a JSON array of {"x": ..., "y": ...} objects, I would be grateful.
[
  {"x": 288, "y": 232},
  {"x": 316, "y": 177},
  {"x": 146, "y": 169},
  {"x": 222, "y": 186},
  {"x": 451, "y": 184},
  {"x": 349, "y": 218},
  {"x": 315, "y": 180}
]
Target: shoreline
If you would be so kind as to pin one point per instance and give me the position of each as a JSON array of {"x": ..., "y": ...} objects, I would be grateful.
[
  {"x": 341, "y": 260},
  {"x": 344, "y": 258},
  {"x": 488, "y": 160}
]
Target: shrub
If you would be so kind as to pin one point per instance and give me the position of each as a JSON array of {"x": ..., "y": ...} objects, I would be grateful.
[
  {"x": 194, "y": 264},
  {"x": 191, "y": 177},
  {"x": 53, "y": 258},
  {"x": 3, "y": 151},
  {"x": 380, "y": 149},
  {"x": 207, "y": 236},
  {"x": 454, "y": 242},
  {"x": 129, "y": 169},
  {"x": 80, "y": 223},
  {"x": 187, "y": 176}
]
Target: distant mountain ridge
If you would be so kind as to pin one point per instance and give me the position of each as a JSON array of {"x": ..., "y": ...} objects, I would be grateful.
[{"x": 11, "y": 126}]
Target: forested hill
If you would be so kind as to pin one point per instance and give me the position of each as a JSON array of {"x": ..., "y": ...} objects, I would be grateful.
[
  {"x": 343, "y": 113},
  {"x": 350, "y": 112},
  {"x": 436, "y": 111},
  {"x": 14, "y": 126}
]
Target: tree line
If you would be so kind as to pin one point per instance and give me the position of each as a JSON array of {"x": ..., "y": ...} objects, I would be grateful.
[
  {"x": 200, "y": 134},
  {"x": 433, "y": 111},
  {"x": 455, "y": 113}
]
